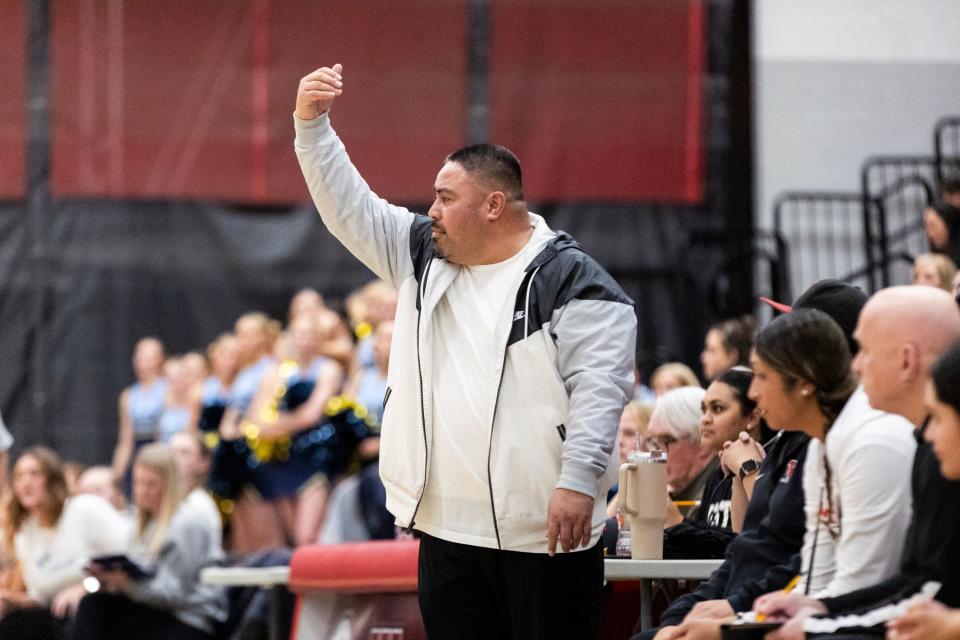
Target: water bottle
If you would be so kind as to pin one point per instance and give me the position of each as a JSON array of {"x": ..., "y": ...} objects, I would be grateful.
[{"x": 623, "y": 534}]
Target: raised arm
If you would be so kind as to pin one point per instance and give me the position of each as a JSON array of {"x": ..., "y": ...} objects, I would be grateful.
[
  {"x": 373, "y": 230},
  {"x": 124, "y": 449}
]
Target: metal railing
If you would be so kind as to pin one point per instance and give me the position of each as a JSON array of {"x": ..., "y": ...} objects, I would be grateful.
[
  {"x": 895, "y": 191},
  {"x": 818, "y": 235}
]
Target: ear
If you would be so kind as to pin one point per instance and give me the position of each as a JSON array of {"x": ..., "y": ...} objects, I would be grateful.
[
  {"x": 754, "y": 419},
  {"x": 909, "y": 362},
  {"x": 495, "y": 205}
]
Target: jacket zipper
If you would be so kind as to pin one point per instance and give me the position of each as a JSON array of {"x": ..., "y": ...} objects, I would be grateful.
[
  {"x": 423, "y": 413},
  {"x": 493, "y": 422}
]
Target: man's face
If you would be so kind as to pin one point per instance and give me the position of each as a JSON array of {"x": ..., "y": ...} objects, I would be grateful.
[
  {"x": 877, "y": 364},
  {"x": 457, "y": 214}
]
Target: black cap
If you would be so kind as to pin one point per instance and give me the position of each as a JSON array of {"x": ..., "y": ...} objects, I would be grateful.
[{"x": 840, "y": 300}]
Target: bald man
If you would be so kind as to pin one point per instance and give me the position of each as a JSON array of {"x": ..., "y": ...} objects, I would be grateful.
[{"x": 901, "y": 332}]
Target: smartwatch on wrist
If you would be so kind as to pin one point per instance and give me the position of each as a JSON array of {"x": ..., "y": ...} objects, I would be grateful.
[{"x": 748, "y": 467}]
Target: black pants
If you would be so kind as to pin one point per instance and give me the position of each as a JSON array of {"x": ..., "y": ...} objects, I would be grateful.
[
  {"x": 31, "y": 623},
  {"x": 471, "y": 592},
  {"x": 107, "y": 616}
]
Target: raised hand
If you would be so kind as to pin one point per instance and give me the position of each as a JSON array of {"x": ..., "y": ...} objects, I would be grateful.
[{"x": 318, "y": 90}]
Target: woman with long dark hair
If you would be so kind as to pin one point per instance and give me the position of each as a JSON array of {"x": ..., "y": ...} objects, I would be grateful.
[{"x": 731, "y": 425}]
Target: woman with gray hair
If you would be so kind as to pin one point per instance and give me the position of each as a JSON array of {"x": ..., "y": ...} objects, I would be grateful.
[{"x": 674, "y": 428}]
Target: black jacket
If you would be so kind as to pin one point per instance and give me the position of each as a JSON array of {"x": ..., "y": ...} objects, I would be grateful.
[{"x": 758, "y": 560}]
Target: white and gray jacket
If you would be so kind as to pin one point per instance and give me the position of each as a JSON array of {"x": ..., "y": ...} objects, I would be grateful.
[{"x": 562, "y": 380}]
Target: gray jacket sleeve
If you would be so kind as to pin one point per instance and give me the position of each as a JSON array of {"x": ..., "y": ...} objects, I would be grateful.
[
  {"x": 596, "y": 344},
  {"x": 177, "y": 567},
  {"x": 373, "y": 230}
]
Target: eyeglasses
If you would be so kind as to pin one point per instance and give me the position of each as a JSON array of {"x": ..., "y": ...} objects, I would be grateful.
[{"x": 661, "y": 443}]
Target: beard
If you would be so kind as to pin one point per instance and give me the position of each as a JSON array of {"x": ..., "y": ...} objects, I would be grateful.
[{"x": 443, "y": 250}]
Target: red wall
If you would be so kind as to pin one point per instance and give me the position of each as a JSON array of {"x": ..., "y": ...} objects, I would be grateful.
[
  {"x": 193, "y": 98},
  {"x": 13, "y": 98}
]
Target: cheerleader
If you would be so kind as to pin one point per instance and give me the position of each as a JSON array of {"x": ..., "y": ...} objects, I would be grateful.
[
  {"x": 141, "y": 406},
  {"x": 285, "y": 432}
]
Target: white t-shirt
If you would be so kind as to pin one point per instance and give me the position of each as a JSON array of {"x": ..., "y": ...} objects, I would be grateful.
[
  {"x": 870, "y": 454},
  {"x": 53, "y": 558},
  {"x": 456, "y": 500}
]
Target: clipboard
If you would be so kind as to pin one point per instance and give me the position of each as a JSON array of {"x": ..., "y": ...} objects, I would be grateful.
[{"x": 747, "y": 630}]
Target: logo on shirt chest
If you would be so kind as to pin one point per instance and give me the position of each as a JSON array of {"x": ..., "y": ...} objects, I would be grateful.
[
  {"x": 518, "y": 315},
  {"x": 788, "y": 472}
]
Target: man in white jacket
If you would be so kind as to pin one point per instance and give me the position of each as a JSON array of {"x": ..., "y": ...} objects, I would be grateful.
[{"x": 512, "y": 359}]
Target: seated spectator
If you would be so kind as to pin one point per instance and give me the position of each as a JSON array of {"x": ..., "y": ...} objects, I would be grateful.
[
  {"x": 760, "y": 559},
  {"x": 901, "y": 331},
  {"x": 731, "y": 425},
  {"x": 72, "y": 470},
  {"x": 727, "y": 344},
  {"x": 358, "y": 510},
  {"x": 942, "y": 222},
  {"x": 935, "y": 270},
  {"x": 193, "y": 464},
  {"x": 672, "y": 375},
  {"x": 53, "y": 537},
  {"x": 932, "y": 620},
  {"x": 632, "y": 436},
  {"x": 174, "y": 542},
  {"x": 674, "y": 428},
  {"x": 100, "y": 481},
  {"x": 801, "y": 381}
]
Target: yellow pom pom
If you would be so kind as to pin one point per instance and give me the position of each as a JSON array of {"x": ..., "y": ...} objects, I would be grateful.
[
  {"x": 363, "y": 330},
  {"x": 211, "y": 439}
]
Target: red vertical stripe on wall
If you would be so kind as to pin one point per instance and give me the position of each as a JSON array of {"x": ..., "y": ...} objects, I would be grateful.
[
  {"x": 693, "y": 182},
  {"x": 13, "y": 100},
  {"x": 261, "y": 101}
]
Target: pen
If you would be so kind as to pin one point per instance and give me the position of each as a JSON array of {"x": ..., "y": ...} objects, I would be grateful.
[{"x": 787, "y": 589}]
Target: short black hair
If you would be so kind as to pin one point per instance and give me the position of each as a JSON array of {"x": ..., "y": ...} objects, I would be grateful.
[
  {"x": 946, "y": 376},
  {"x": 493, "y": 163},
  {"x": 950, "y": 185}
]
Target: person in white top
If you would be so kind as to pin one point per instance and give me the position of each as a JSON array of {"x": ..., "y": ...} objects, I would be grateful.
[
  {"x": 54, "y": 537},
  {"x": 101, "y": 481},
  {"x": 859, "y": 521}
]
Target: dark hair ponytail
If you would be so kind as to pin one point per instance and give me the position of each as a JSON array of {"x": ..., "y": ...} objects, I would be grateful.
[{"x": 946, "y": 377}]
